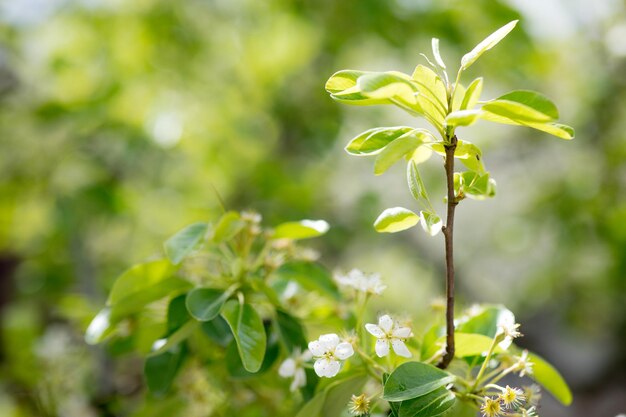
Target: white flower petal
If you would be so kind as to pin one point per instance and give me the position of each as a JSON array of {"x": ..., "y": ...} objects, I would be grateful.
[
  {"x": 316, "y": 348},
  {"x": 401, "y": 332},
  {"x": 400, "y": 348},
  {"x": 374, "y": 330},
  {"x": 382, "y": 347},
  {"x": 325, "y": 367},
  {"x": 329, "y": 341},
  {"x": 386, "y": 323},
  {"x": 306, "y": 355},
  {"x": 344, "y": 350},
  {"x": 287, "y": 368},
  {"x": 299, "y": 380}
]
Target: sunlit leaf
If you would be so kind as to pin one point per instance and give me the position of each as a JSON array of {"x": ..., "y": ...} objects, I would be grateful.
[
  {"x": 387, "y": 85},
  {"x": 462, "y": 117},
  {"x": 431, "y": 222},
  {"x": 534, "y": 100},
  {"x": 395, "y": 219},
  {"x": 472, "y": 94},
  {"x": 515, "y": 111},
  {"x": 247, "y": 328},
  {"x": 432, "y": 97},
  {"x": 373, "y": 141},
  {"x": 182, "y": 243},
  {"x": 433, "y": 404},
  {"x": 468, "y": 153},
  {"x": 168, "y": 343},
  {"x": 457, "y": 98},
  {"x": 437, "y": 54},
  {"x": 99, "y": 328},
  {"x": 302, "y": 229},
  {"x": 393, "y": 152},
  {"x": 476, "y": 185},
  {"x": 228, "y": 226},
  {"x": 550, "y": 378},
  {"x": 342, "y": 87},
  {"x": 414, "y": 379},
  {"x": 416, "y": 185},
  {"x": 485, "y": 45}
]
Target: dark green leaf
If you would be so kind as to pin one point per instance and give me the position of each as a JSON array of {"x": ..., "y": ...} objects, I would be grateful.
[
  {"x": 218, "y": 331},
  {"x": 235, "y": 366},
  {"x": 182, "y": 243},
  {"x": 432, "y": 404},
  {"x": 204, "y": 304},
  {"x": 247, "y": 328},
  {"x": 414, "y": 379},
  {"x": 160, "y": 370},
  {"x": 291, "y": 331},
  {"x": 177, "y": 314}
]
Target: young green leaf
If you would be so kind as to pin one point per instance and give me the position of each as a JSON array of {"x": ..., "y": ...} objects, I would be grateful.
[
  {"x": 462, "y": 117},
  {"x": 432, "y": 97},
  {"x": 388, "y": 85},
  {"x": 204, "y": 304},
  {"x": 182, "y": 243},
  {"x": 457, "y": 97},
  {"x": 99, "y": 328},
  {"x": 303, "y": 229},
  {"x": 393, "y": 152},
  {"x": 227, "y": 227},
  {"x": 517, "y": 112},
  {"x": 472, "y": 94},
  {"x": 433, "y": 404},
  {"x": 477, "y": 186},
  {"x": 550, "y": 378},
  {"x": 469, "y": 154},
  {"x": 247, "y": 328},
  {"x": 416, "y": 185},
  {"x": 342, "y": 88},
  {"x": 488, "y": 43},
  {"x": 373, "y": 141},
  {"x": 414, "y": 379},
  {"x": 436, "y": 54},
  {"x": 395, "y": 219},
  {"x": 160, "y": 371},
  {"x": 431, "y": 222},
  {"x": 534, "y": 100}
]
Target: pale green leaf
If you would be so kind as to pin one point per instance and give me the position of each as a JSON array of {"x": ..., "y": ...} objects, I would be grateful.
[
  {"x": 550, "y": 378},
  {"x": 476, "y": 185},
  {"x": 534, "y": 100},
  {"x": 416, "y": 185},
  {"x": 414, "y": 379},
  {"x": 457, "y": 97},
  {"x": 400, "y": 147},
  {"x": 431, "y": 222},
  {"x": 432, "y": 97},
  {"x": 182, "y": 243},
  {"x": 488, "y": 43},
  {"x": 342, "y": 87},
  {"x": 395, "y": 219},
  {"x": 472, "y": 94},
  {"x": 247, "y": 328},
  {"x": 462, "y": 117},
  {"x": 515, "y": 111},
  {"x": 228, "y": 226},
  {"x": 372, "y": 141},
  {"x": 437, "y": 54},
  {"x": 302, "y": 229},
  {"x": 387, "y": 85}
]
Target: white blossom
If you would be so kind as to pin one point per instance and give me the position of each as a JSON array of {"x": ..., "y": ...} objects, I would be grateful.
[
  {"x": 358, "y": 280},
  {"x": 389, "y": 332},
  {"x": 507, "y": 326},
  {"x": 293, "y": 368},
  {"x": 329, "y": 351},
  {"x": 523, "y": 364}
]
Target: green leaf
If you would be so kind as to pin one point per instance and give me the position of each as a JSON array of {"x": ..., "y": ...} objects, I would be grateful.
[
  {"x": 462, "y": 117},
  {"x": 291, "y": 331},
  {"x": 247, "y": 328},
  {"x": 177, "y": 337},
  {"x": 488, "y": 43},
  {"x": 534, "y": 100},
  {"x": 556, "y": 129},
  {"x": 160, "y": 370},
  {"x": 486, "y": 321},
  {"x": 433, "y": 96},
  {"x": 414, "y": 379},
  {"x": 431, "y": 222},
  {"x": 218, "y": 331},
  {"x": 432, "y": 404},
  {"x": 387, "y": 85},
  {"x": 177, "y": 314},
  {"x": 550, "y": 378},
  {"x": 99, "y": 328},
  {"x": 393, "y": 152},
  {"x": 303, "y": 229},
  {"x": 516, "y": 112},
  {"x": 395, "y": 219},
  {"x": 477, "y": 186},
  {"x": 182, "y": 243},
  {"x": 332, "y": 400},
  {"x": 470, "y": 344},
  {"x": 457, "y": 97},
  {"x": 228, "y": 226},
  {"x": 342, "y": 88},
  {"x": 469, "y": 154},
  {"x": 437, "y": 54},
  {"x": 204, "y": 304},
  {"x": 472, "y": 94},
  {"x": 141, "y": 285},
  {"x": 416, "y": 185},
  {"x": 235, "y": 366},
  {"x": 373, "y": 141},
  {"x": 310, "y": 275}
]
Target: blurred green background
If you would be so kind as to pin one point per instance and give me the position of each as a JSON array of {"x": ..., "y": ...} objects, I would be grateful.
[{"x": 121, "y": 121}]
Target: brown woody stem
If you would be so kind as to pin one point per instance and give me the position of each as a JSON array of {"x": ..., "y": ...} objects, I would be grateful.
[{"x": 448, "y": 232}]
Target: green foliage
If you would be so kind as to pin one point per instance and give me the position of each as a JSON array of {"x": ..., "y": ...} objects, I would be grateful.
[
  {"x": 247, "y": 328},
  {"x": 414, "y": 379},
  {"x": 395, "y": 219}
]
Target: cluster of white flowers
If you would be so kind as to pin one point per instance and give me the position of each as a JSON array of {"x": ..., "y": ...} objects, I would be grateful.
[
  {"x": 293, "y": 367},
  {"x": 387, "y": 331},
  {"x": 358, "y": 280}
]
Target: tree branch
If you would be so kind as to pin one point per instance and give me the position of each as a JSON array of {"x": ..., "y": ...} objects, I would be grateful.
[{"x": 448, "y": 232}]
